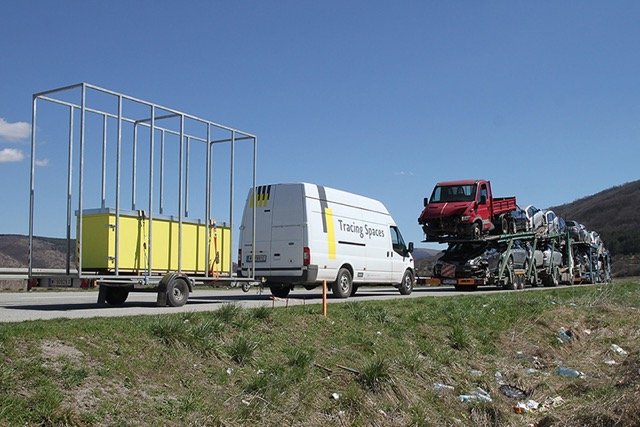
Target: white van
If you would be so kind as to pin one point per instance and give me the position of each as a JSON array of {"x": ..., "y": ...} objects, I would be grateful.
[{"x": 307, "y": 233}]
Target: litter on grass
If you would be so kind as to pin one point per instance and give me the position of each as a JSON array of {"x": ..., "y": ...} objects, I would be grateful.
[
  {"x": 616, "y": 348},
  {"x": 513, "y": 392},
  {"x": 477, "y": 394}
]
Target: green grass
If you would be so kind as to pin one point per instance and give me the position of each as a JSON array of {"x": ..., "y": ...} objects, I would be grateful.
[{"x": 267, "y": 366}]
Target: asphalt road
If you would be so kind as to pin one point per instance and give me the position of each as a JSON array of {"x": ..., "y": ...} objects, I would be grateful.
[{"x": 53, "y": 304}]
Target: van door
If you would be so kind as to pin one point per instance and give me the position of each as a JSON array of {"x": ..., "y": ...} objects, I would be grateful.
[
  {"x": 399, "y": 254},
  {"x": 262, "y": 203},
  {"x": 287, "y": 229}
]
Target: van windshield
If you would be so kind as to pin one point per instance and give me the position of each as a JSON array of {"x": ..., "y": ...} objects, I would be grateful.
[{"x": 453, "y": 193}]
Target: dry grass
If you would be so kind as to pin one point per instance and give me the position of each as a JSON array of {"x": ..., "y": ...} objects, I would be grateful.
[{"x": 369, "y": 364}]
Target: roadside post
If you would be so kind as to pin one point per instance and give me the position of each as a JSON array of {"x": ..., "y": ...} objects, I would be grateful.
[{"x": 324, "y": 299}]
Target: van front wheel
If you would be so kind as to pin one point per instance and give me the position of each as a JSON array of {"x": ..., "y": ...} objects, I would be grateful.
[
  {"x": 341, "y": 288},
  {"x": 406, "y": 286}
]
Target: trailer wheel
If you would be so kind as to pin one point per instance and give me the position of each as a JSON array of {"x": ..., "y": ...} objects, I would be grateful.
[
  {"x": 116, "y": 295},
  {"x": 177, "y": 292},
  {"x": 406, "y": 286},
  {"x": 552, "y": 280},
  {"x": 280, "y": 291},
  {"x": 341, "y": 288}
]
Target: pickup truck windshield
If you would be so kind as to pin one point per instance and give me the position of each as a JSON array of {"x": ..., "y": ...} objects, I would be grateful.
[{"x": 453, "y": 193}]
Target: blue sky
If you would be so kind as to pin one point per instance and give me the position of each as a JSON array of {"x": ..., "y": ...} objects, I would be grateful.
[{"x": 378, "y": 98}]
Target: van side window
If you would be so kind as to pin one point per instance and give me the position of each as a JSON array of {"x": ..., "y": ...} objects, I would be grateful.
[{"x": 397, "y": 242}]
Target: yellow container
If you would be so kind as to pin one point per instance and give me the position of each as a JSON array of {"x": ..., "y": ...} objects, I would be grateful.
[{"x": 99, "y": 243}]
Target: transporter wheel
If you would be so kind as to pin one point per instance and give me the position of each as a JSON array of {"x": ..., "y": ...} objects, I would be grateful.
[
  {"x": 280, "y": 291},
  {"x": 177, "y": 292},
  {"x": 406, "y": 286},
  {"x": 341, "y": 288},
  {"x": 116, "y": 295},
  {"x": 552, "y": 280}
]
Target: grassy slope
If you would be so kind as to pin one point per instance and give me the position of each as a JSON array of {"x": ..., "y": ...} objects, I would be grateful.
[{"x": 280, "y": 367}]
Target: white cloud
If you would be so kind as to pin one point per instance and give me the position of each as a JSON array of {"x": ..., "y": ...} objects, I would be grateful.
[
  {"x": 43, "y": 162},
  {"x": 403, "y": 173},
  {"x": 11, "y": 155},
  {"x": 14, "y": 131}
]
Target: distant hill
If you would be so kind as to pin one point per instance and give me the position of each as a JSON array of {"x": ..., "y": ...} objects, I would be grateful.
[
  {"x": 614, "y": 213},
  {"x": 424, "y": 260},
  {"x": 48, "y": 252}
]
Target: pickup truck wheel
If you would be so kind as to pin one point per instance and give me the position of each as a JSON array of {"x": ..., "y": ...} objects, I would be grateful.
[
  {"x": 177, "y": 292},
  {"x": 280, "y": 291},
  {"x": 406, "y": 286},
  {"x": 116, "y": 295},
  {"x": 341, "y": 288},
  {"x": 476, "y": 231}
]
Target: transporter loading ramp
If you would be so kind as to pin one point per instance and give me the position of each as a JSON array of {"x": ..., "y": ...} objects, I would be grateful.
[{"x": 123, "y": 148}]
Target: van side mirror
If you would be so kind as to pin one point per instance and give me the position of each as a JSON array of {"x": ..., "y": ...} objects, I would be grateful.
[
  {"x": 410, "y": 249},
  {"x": 426, "y": 201}
]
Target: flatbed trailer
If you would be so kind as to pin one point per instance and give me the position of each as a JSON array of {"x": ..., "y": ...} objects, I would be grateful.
[{"x": 140, "y": 247}]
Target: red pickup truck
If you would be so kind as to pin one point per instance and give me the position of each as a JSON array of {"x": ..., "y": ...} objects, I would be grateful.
[{"x": 464, "y": 209}]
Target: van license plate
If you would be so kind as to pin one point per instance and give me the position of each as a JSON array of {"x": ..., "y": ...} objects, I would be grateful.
[
  {"x": 259, "y": 258},
  {"x": 449, "y": 281}
]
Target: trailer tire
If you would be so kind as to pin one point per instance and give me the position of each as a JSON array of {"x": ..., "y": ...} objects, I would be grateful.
[
  {"x": 406, "y": 286},
  {"x": 280, "y": 291},
  {"x": 341, "y": 288},
  {"x": 177, "y": 292},
  {"x": 552, "y": 280},
  {"x": 116, "y": 295}
]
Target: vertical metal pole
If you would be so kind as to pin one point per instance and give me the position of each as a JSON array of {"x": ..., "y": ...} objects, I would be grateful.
[
  {"x": 118, "y": 164},
  {"x": 69, "y": 188},
  {"x": 253, "y": 234},
  {"x": 180, "y": 193},
  {"x": 150, "y": 216},
  {"x": 161, "y": 172},
  {"x": 134, "y": 162},
  {"x": 81, "y": 179},
  {"x": 231, "y": 189},
  {"x": 34, "y": 103},
  {"x": 104, "y": 162},
  {"x": 207, "y": 208},
  {"x": 186, "y": 180}
]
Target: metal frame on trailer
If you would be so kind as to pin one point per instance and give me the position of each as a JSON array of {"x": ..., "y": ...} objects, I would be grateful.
[{"x": 153, "y": 122}]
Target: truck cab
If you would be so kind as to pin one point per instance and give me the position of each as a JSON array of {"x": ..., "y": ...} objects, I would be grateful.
[{"x": 462, "y": 209}]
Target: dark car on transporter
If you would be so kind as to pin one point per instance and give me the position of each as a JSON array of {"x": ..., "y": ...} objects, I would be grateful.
[{"x": 481, "y": 260}]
